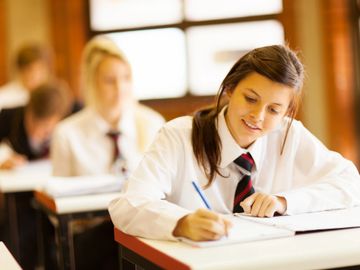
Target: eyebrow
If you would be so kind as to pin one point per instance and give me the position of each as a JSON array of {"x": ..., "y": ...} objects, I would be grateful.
[{"x": 253, "y": 91}]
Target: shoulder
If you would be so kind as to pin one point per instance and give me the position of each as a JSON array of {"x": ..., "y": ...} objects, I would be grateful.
[
  {"x": 179, "y": 127},
  {"x": 10, "y": 114},
  {"x": 143, "y": 112},
  {"x": 76, "y": 121}
]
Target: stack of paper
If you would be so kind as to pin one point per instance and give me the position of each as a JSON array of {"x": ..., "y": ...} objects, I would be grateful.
[{"x": 83, "y": 185}]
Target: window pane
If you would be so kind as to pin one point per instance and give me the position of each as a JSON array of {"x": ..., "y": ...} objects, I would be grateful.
[
  {"x": 119, "y": 14},
  {"x": 157, "y": 58},
  {"x": 218, "y": 9},
  {"x": 214, "y": 49}
]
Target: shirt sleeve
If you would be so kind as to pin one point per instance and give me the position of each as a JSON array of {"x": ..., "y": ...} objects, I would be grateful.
[
  {"x": 329, "y": 181},
  {"x": 142, "y": 209},
  {"x": 60, "y": 152}
]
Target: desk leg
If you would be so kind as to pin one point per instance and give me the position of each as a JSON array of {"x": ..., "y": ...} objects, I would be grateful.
[
  {"x": 66, "y": 243},
  {"x": 12, "y": 225},
  {"x": 132, "y": 260}
]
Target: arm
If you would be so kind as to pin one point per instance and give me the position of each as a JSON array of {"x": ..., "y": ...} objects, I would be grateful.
[
  {"x": 143, "y": 208},
  {"x": 328, "y": 181}
]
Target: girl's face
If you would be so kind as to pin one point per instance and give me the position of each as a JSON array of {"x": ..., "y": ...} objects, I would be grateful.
[
  {"x": 114, "y": 85},
  {"x": 256, "y": 106}
]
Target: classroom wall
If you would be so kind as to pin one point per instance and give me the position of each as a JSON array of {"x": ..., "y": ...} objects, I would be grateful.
[
  {"x": 25, "y": 21},
  {"x": 309, "y": 26}
]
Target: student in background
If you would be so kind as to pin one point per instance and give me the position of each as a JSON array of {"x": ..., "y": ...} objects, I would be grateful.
[
  {"x": 247, "y": 152},
  {"x": 34, "y": 67},
  {"x": 25, "y": 131},
  {"x": 107, "y": 136},
  {"x": 113, "y": 127}
]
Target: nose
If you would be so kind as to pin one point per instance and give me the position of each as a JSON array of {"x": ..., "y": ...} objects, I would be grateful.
[{"x": 258, "y": 113}]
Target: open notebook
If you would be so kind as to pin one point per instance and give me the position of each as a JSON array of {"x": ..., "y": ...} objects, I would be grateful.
[
  {"x": 83, "y": 185},
  {"x": 247, "y": 228}
]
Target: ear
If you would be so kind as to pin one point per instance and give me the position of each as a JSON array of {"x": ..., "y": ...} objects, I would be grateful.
[{"x": 228, "y": 92}]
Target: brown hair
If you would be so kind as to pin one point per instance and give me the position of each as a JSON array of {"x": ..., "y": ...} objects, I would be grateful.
[
  {"x": 49, "y": 99},
  {"x": 30, "y": 53},
  {"x": 277, "y": 63}
]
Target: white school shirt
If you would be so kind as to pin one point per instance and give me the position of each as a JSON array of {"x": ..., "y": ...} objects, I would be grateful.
[
  {"x": 160, "y": 192},
  {"x": 13, "y": 94},
  {"x": 80, "y": 145}
]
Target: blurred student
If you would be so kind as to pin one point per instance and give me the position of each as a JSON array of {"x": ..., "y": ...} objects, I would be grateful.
[
  {"x": 33, "y": 67},
  {"x": 25, "y": 134},
  {"x": 113, "y": 126},
  {"x": 25, "y": 131},
  {"x": 107, "y": 136}
]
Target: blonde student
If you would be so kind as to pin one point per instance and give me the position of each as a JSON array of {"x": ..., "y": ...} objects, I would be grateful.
[
  {"x": 113, "y": 129},
  {"x": 107, "y": 137},
  {"x": 247, "y": 153}
]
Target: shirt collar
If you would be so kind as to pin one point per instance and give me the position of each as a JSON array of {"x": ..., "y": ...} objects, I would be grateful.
[
  {"x": 230, "y": 149},
  {"x": 126, "y": 125}
]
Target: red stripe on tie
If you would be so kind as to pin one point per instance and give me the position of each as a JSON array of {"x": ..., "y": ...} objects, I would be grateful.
[
  {"x": 242, "y": 193},
  {"x": 248, "y": 158}
]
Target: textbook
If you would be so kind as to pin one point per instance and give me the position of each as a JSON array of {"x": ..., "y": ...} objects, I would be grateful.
[{"x": 246, "y": 228}]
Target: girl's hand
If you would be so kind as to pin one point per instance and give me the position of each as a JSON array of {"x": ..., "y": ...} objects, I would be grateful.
[
  {"x": 202, "y": 225},
  {"x": 263, "y": 205},
  {"x": 13, "y": 161}
]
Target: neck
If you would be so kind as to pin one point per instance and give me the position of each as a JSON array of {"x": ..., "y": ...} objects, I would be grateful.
[{"x": 112, "y": 117}]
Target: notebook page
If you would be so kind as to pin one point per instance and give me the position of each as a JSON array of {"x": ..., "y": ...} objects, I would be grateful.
[
  {"x": 326, "y": 220},
  {"x": 243, "y": 231}
]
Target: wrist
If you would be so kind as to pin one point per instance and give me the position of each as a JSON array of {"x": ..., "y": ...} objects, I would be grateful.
[{"x": 179, "y": 228}]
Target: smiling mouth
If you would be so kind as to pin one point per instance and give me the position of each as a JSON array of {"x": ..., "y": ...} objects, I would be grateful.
[{"x": 251, "y": 126}]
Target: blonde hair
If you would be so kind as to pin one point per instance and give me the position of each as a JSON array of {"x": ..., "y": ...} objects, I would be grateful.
[{"x": 95, "y": 51}]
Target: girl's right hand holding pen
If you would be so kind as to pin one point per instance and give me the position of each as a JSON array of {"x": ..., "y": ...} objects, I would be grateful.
[{"x": 202, "y": 225}]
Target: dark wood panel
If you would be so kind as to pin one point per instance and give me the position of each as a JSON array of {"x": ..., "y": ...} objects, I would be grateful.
[
  {"x": 69, "y": 28},
  {"x": 338, "y": 66},
  {"x": 175, "y": 107}
]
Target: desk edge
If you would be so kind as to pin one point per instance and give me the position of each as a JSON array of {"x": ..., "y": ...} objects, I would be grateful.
[{"x": 157, "y": 257}]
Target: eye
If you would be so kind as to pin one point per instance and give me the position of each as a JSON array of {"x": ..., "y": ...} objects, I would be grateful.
[
  {"x": 250, "y": 99},
  {"x": 274, "y": 111}
]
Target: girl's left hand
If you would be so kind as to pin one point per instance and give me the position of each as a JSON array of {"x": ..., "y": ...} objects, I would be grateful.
[{"x": 263, "y": 205}]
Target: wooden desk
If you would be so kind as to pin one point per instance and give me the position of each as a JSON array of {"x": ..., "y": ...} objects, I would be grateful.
[
  {"x": 7, "y": 261},
  {"x": 16, "y": 188},
  {"x": 67, "y": 209},
  {"x": 338, "y": 249}
]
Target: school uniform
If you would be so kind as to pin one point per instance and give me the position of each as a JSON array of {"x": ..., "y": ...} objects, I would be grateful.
[
  {"x": 80, "y": 145},
  {"x": 13, "y": 132},
  {"x": 160, "y": 192},
  {"x": 13, "y": 94}
]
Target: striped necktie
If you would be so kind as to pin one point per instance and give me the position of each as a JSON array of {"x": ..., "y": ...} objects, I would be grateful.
[
  {"x": 114, "y": 136},
  {"x": 244, "y": 188}
]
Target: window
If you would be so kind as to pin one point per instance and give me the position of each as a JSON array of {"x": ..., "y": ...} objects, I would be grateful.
[{"x": 178, "y": 47}]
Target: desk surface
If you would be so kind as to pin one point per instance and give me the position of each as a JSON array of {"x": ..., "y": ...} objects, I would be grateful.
[
  {"x": 320, "y": 250},
  {"x": 66, "y": 205},
  {"x": 7, "y": 261}
]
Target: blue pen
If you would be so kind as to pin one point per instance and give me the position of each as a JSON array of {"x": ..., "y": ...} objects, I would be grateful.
[{"x": 202, "y": 195}]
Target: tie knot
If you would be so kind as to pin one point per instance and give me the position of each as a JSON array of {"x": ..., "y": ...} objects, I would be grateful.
[
  {"x": 245, "y": 161},
  {"x": 114, "y": 135}
]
